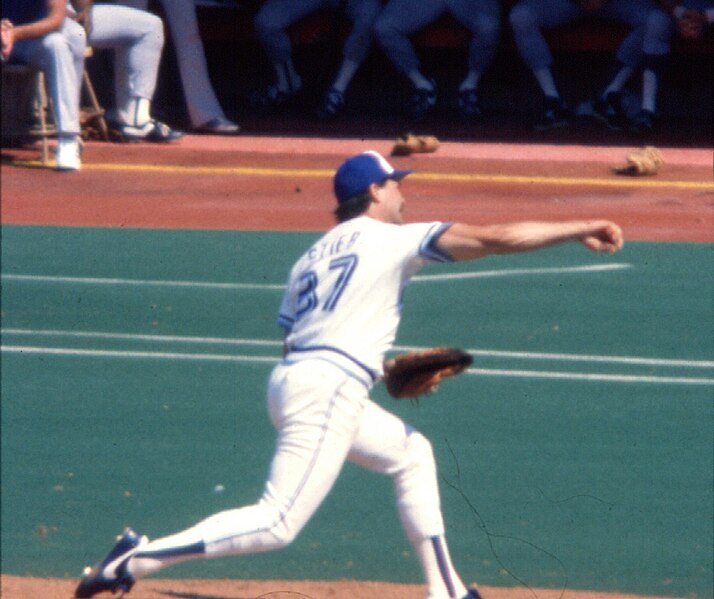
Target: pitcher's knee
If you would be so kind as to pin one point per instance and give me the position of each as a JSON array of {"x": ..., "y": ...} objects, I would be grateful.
[{"x": 420, "y": 451}]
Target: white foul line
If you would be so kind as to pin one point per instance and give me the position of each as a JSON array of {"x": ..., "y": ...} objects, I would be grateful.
[
  {"x": 108, "y": 353},
  {"x": 632, "y": 360},
  {"x": 580, "y": 376},
  {"x": 488, "y": 353},
  {"x": 61, "y": 351},
  {"x": 140, "y": 337},
  {"x": 137, "y": 282},
  {"x": 511, "y": 272},
  {"x": 276, "y": 287}
]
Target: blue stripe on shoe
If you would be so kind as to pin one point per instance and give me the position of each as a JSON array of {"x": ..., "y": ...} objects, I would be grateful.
[
  {"x": 443, "y": 568},
  {"x": 193, "y": 549}
]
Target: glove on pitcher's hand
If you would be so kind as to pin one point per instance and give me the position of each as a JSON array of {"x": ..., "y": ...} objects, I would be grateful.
[{"x": 417, "y": 373}]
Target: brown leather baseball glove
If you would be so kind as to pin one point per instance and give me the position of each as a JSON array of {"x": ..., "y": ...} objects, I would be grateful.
[
  {"x": 645, "y": 161},
  {"x": 417, "y": 373},
  {"x": 413, "y": 144}
]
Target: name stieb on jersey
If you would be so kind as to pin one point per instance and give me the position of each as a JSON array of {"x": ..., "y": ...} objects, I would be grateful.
[{"x": 345, "y": 291}]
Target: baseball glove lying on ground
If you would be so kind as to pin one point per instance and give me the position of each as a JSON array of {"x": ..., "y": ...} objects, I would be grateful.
[
  {"x": 645, "y": 161},
  {"x": 417, "y": 373},
  {"x": 411, "y": 144}
]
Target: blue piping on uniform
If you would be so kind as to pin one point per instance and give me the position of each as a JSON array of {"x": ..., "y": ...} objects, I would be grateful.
[
  {"x": 428, "y": 248},
  {"x": 372, "y": 375},
  {"x": 441, "y": 561}
]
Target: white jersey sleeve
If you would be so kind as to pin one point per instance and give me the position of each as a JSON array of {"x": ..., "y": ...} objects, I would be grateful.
[{"x": 344, "y": 295}]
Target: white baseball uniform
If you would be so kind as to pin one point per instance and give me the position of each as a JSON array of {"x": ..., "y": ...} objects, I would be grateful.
[{"x": 340, "y": 312}]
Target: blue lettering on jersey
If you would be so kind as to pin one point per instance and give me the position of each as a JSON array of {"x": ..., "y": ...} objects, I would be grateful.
[{"x": 337, "y": 246}]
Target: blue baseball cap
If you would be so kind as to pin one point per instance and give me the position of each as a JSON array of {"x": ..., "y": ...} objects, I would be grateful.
[{"x": 357, "y": 173}]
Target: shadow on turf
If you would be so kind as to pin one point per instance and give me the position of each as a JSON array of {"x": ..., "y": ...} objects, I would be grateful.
[
  {"x": 271, "y": 595},
  {"x": 197, "y": 596}
]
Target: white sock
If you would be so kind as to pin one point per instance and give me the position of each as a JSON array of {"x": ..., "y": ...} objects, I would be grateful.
[
  {"x": 442, "y": 579},
  {"x": 138, "y": 111},
  {"x": 419, "y": 81},
  {"x": 471, "y": 80},
  {"x": 649, "y": 90},
  {"x": 619, "y": 81},
  {"x": 287, "y": 78},
  {"x": 344, "y": 75},
  {"x": 546, "y": 82}
]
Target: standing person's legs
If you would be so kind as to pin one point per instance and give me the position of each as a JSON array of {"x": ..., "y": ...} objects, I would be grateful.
[{"x": 201, "y": 101}]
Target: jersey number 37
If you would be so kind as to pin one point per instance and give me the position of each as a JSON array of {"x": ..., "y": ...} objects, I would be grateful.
[{"x": 342, "y": 268}]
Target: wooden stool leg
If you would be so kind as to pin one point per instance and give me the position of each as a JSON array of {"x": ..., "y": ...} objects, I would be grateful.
[
  {"x": 43, "y": 105},
  {"x": 97, "y": 110}
]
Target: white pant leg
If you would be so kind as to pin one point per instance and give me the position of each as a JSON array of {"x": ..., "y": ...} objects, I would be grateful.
[
  {"x": 137, "y": 38},
  {"x": 201, "y": 101},
  {"x": 316, "y": 408},
  {"x": 60, "y": 55},
  {"x": 385, "y": 444},
  {"x": 323, "y": 416}
]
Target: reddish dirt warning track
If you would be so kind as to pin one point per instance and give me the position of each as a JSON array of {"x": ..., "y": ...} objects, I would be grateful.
[
  {"x": 262, "y": 183},
  {"x": 14, "y": 587}
]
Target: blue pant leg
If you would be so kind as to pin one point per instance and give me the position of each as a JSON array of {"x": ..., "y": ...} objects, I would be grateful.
[
  {"x": 651, "y": 29},
  {"x": 60, "y": 55},
  {"x": 483, "y": 20},
  {"x": 272, "y": 21},
  {"x": 363, "y": 14},
  {"x": 398, "y": 20},
  {"x": 528, "y": 18}
]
